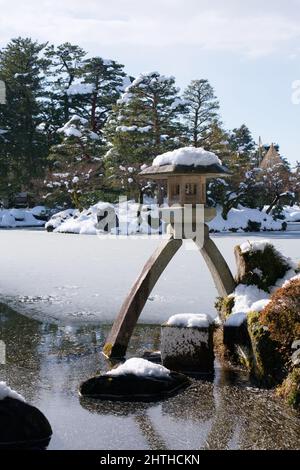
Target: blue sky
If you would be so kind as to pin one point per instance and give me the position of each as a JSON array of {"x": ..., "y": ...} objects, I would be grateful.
[{"x": 249, "y": 51}]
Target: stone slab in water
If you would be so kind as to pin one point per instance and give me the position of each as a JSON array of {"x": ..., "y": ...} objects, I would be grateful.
[
  {"x": 22, "y": 426},
  {"x": 187, "y": 349},
  {"x": 131, "y": 387}
]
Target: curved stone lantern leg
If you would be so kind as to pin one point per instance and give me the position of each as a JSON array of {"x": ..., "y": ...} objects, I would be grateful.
[
  {"x": 122, "y": 329},
  {"x": 217, "y": 265},
  {"x": 120, "y": 334}
]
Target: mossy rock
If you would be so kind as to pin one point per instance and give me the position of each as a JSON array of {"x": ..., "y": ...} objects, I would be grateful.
[
  {"x": 224, "y": 306},
  {"x": 260, "y": 268},
  {"x": 131, "y": 387},
  {"x": 289, "y": 390},
  {"x": 282, "y": 317},
  {"x": 267, "y": 365},
  {"x": 22, "y": 426}
]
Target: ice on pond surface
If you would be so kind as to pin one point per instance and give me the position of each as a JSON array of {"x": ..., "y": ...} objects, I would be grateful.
[
  {"x": 69, "y": 278},
  {"x": 47, "y": 362}
]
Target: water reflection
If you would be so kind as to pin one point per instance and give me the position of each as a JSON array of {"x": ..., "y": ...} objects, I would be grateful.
[{"x": 46, "y": 363}]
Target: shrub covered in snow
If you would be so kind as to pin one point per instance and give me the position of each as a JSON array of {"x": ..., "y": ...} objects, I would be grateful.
[
  {"x": 13, "y": 218},
  {"x": 243, "y": 219}
]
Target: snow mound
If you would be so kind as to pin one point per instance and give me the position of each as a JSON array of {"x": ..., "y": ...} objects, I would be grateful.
[
  {"x": 237, "y": 219},
  {"x": 187, "y": 156},
  {"x": 249, "y": 299},
  {"x": 236, "y": 319},
  {"x": 141, "y": 368},
  {"x": 7, "y": 392},
  {"x": 12, "y": 218},
  {"x": 190, "y": 320},
  {"x": 291, "y": 214}
]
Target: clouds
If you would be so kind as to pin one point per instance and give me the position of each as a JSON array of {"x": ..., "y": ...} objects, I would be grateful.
[{"x": 232, "y": 26}]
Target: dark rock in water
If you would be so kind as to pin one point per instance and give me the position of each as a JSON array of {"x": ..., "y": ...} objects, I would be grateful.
[
  {"x": 236, "y": 332},
  {"x": 22, "y": 426},
  {"x": 131, "y": 387}
]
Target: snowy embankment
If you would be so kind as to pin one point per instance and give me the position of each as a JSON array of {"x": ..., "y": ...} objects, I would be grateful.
[
  {"x": 13, "y": 218},
  {"x": 85, "y": 222},
  {"x": 130, "y": 218},
  {"x": 133, "y": 218},
  {"x": 249, "y": 298}
]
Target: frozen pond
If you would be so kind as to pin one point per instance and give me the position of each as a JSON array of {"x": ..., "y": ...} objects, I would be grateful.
[
  {"x": 46, "y": 363},
  {"x": 69, "y": 289},
  {"x": 69, "y": 278}
]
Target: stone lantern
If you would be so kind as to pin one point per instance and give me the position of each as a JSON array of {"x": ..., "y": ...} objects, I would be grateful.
[{"x": 186, "y": 171}]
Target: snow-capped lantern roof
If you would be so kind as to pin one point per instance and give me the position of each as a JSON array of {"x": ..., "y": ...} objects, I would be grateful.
[
  {"x": 186, "y": 160},
  {"x": 186, "y": 170}
]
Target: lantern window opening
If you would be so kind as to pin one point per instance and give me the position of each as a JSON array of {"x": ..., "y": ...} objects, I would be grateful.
[{"x": 190, "y": 189}]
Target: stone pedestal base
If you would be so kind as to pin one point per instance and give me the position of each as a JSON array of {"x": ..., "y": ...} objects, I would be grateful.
[{"x": 187, "y": 349}]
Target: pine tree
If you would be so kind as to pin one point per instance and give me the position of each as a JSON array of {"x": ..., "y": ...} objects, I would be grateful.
[
  {"x": 145, "y": 123},
  {"x": 63, "y": 68},
  {"x": 24, "y": 149},
  {"x": 104, "y": 81},
  {"x": 203, "y": 107},
  {"x": 76, "y": 168},
  {"x": 81, "y": 146}
]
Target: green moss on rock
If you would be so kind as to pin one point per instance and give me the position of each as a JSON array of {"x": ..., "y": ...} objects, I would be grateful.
[
  {"x": 266, "y": 364},
  {"x": 282, "y": 317},
  {"x": 260, "y": 268},
  {"x": 289, "y": 390},
  {"x": 224, "y": 306}
]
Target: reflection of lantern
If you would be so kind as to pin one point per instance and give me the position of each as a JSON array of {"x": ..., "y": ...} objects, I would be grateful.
[{"x": 186, "y": 171}]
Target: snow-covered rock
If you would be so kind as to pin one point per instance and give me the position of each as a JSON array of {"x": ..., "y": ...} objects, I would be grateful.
[
  {"x": 141, "y": 368},
  {"x": 12, "y": 218},
  {"x": 59, "y": 218},
  {"x": 6, "y": 391}
]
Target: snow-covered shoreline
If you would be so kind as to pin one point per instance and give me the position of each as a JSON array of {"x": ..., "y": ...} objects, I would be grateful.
[{"x": 130, "y": 223}]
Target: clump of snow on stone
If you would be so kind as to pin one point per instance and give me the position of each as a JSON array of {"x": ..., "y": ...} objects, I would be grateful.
[
  {"x": 187, "y": 156},
  {"x": 190, "y": 320},
  {"x": 254, "y": 245},
  {"x": 249, "y": 299},
  {"x": 7, "y": 392},
  {"x": 236, "y": 319},
  {"x": 141, "y": 368}
]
